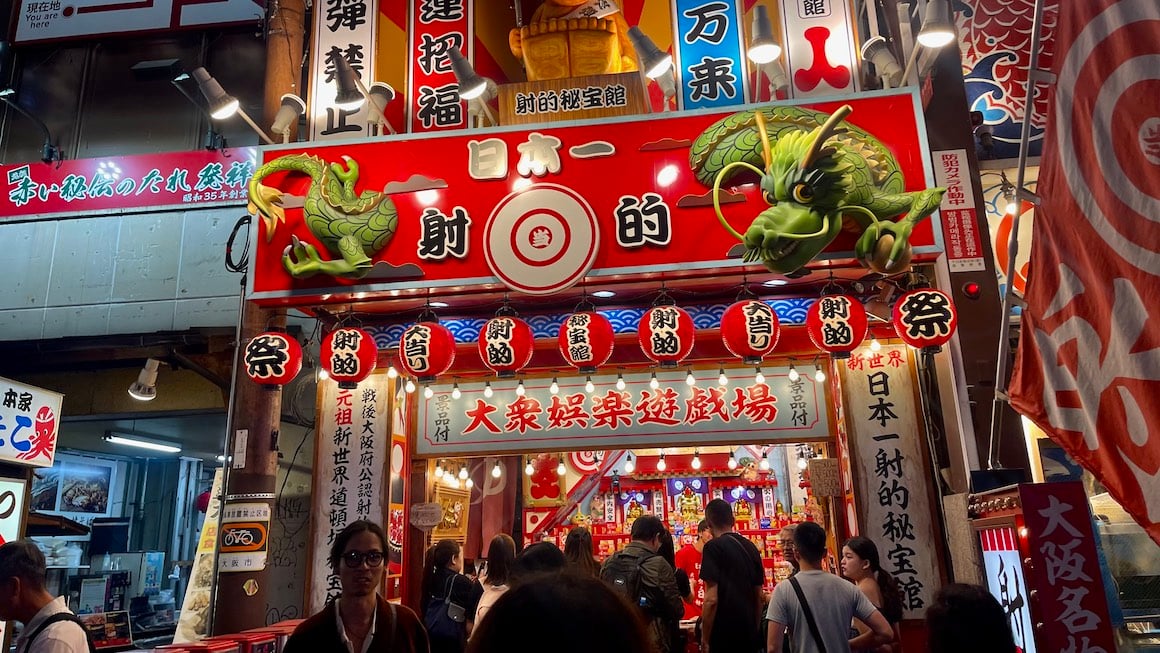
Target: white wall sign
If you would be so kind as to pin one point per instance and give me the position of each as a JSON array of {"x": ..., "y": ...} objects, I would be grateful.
[
  {"x": 41, "y": 20},
  {"x": 342, "y": 28},
  {"x": 890, "y": 469},
  {"x": 820, "y": 47},
  {"x": 350, "y": 463},
  {"x": 29, "y": 421}
]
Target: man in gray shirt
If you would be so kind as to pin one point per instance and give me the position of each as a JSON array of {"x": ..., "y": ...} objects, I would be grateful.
[{"x": 832, "y": 601}]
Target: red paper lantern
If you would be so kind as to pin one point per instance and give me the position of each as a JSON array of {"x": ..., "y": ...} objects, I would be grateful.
[
  {"x": 272, "y": 359},
  {"x": 349, "y": 355},
  {"x": 586, "y": 340},
  {"x": 426, "y": 350},
  {"x": 506, "y": 344},
  {"x": 925, "y": 318},
  {"x": 837, "y": 324},
  {"x": 750, "y": 330},
  {"x": 666, "y": 334}
]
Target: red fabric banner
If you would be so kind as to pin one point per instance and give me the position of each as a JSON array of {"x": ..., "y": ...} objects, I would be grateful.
[{"x": 1088, "y": 368}]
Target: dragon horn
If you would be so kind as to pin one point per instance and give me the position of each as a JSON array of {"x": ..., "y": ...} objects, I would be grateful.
[
  {"x": 824, "y": 132},
  {"x": 765, "y": 154}
]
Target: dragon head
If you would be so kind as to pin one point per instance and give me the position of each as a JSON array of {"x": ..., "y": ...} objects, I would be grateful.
[{"x": 805, "y": 183}]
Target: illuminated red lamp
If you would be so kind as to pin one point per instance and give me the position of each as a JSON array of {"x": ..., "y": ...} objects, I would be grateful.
[
  {"x": 349, "y": 355},
  {"x": 272, "y": 359},
  {"x": 426, "y": 350},
  {"x": 750, "y": 330},
  {"x": 925, "y": 319},
  {"x": 586, "y": 340},
  {"x": 666, "y": 334},
  {"x": 837, "y": 324},
  {"x": 506, "y": 344}
]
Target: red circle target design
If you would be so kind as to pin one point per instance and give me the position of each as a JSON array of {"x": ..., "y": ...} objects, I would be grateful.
[{"x": 584, "y": 462}]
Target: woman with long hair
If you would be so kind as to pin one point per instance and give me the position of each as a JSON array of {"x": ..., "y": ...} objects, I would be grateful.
[
  {"x": 446, "y": 591},
  {"x": 579, "y": 552},
  {"x": 501, "y": 555},
  {"x": 860, "y": 563}
]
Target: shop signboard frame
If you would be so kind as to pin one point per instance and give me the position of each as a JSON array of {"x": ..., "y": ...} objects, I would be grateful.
[
  {"x": 34, "y": 414},
  {"x": 599, "y": 174},
  {"x": 609, "y": 418}
]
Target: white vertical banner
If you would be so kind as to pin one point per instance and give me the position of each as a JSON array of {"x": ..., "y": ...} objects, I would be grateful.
[
  {"x": 342, "y": 28},
  {"x": 350, "y": 458},
  {"x": 193, "y": 624},
  {"x": 819, "y": 40},
  {"x": 883, "y": 415}
]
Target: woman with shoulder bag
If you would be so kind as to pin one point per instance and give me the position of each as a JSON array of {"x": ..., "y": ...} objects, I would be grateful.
[{"x": 446, "y": 597}]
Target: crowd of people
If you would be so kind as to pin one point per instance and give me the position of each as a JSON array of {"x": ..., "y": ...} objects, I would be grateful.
[{"x": 544, "y": 599}]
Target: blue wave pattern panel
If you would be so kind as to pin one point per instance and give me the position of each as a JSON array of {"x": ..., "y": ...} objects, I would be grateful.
[{"x": 624, "y": 320}]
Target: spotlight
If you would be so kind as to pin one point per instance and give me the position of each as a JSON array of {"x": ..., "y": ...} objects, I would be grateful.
[
  {"x": 455, "y": 392},
  {"x": 529, "y": 468},
  {"x": 732, "y": 464},
  {"x": 629, "y": 465},
  {"x": 463, "y": 473},
  {"x": 288, "y": 114},
  {"x": 690, "y": 379},
  {"x": 819, "y": 375},
  {"x": 145, "y": 387},
  {"x": 380, "y": 95},
  {"x": 560, "y": 468},
  {"x": 653, "y": 383},
  {"x": 555, "y": 387},
  {"x": 589, "y": 387},
  {"x": 878, "y": 53},
  {"x": 762, "y": 47},
  {"x": 661, "y": 464},
  {"x": 721, "y": 378},
  {"x": 487, "y": 391},
  {"x": 349, "y": 97},
  {"x": 937, "y": 29},
  {"x": 793, "y": 373},
  {"x": 410, "y": 386},
  {"x": 619, "y": 381},
  {"x": 520, "y": 390},
  {"x": 654, "y": 62},
  {"x": 496, "y": 470},
  {"x": 696, "y": 463},
  {"x": 471, "y": 85},
  {"x": 222, "y": 105},
  {"x": 759, "y": 378},
  {"x": 428, "y": 392}
]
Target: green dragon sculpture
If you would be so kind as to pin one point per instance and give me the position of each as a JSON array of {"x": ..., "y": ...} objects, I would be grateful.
[
  {"x": 353, "y": 227},
  {"x": 817, "y": 175}
]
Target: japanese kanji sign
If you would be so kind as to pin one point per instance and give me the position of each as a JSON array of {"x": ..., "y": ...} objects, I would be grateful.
[
  {"x": 740, "y": 411},
  {"x": 882, "y": 417},
  {"x": 1065, "y": 576},
  {"x": 245, "y": 537},
  {"x": 539, "y": 210},
  {"x": 438, "y": 27},
  {"x": 572, "y": 98},
  {"x": 819, "y": 47},
  {"x": 147, "y": 182},
  {"x": 710, "y": 59},
  {"x": 960, "y": 219},
  {"x": 29, "y": 421},
  {"x": 1007, "y": 582},
  {"x": 43, "y": 20},
  {"x": 350, "y": 461},
  {"x": 342, "y": 28}
]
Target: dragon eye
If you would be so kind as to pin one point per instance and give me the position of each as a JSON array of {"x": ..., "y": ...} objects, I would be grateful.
[
  {"x": 768, "y": 197},
  {"x": 802, "y": 193}
]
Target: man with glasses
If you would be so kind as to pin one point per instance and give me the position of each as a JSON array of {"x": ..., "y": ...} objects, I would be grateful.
[
  {"x": 359, "y": 620},
  {"x": 788, "y": 552}
]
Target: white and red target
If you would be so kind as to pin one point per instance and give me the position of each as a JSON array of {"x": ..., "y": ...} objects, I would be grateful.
[
  {"x": 586, "y": 462},
  {"x": 506, "y": 344},
  {"x": 666, "y": 334},
  {"x": 542, "y": 239},
  {"x": 586, "y": 340},
  {"x": 750, "y": 330},
  {"x": 837, "y": 324}
]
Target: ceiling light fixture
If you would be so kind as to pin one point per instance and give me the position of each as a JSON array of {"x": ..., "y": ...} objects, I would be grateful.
[
  {"x": 629, "y": 465},
  {"x": 113, "y": 437},
  {"x": 222, "y": 105},
  {"x": 762, "y": 47},
  {"x": 654, "y": 62},
  {"x": 555, "y": 387},
  {"x": 620, "y": 381},
  {"x": 561, "y": 469},
  {"x": 604, "y": 294},
  {"x": 653, "y": 383},
  {"x": 145, "y": 387},
  {"x": 793, "y": 373}
]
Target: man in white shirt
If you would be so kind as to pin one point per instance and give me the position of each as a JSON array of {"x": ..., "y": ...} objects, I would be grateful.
[{"x": 24, "y": 598}]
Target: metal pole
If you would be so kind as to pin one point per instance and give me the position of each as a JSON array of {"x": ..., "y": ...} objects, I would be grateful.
[
  {"x": 1013, "y": 246},
  {"x": 226, "y": 453}
]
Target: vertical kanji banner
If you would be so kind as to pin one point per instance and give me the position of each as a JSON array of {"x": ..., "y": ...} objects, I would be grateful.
[
  {"x": 819, "y": 46},
  {"x": 710, "y": 53},
  {"x": 884, "y": 423},
  {"x": 437, "y": 27},
  {"x": 342, "y": 28},
  {"x": 1088, "y": 365},
  {"x": 350, "y": 456}
]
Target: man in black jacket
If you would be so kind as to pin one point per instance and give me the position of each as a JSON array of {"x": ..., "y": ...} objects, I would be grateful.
[
  {"x": 733, "y": 576},
  {"x": 647, "y": 580}
]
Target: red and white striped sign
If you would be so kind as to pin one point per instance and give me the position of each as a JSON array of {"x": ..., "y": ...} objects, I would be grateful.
[{"x": 1088, "y": 369}]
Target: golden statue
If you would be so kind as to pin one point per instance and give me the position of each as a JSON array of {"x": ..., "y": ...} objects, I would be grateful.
[
  {"x": 561, "y": 41},
  {"x": 689, "y": 506}
]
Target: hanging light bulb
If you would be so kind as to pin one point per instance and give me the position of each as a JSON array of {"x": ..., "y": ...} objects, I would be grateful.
[
  {"x": 439, "y": 469},
  {"x": 496, "y": 471},
  {"x": 875, "y": 345},
  {"x": 696, "y": 463},
  {"x": 721, "y": 378},
  {"x": 428, "y": 392},
  {"x": 819, "y": 375},
  {"x": 455, "y": 393},
  {"x": 732, "y": 464},
  {"x": 629, "y": 466},
  {"x": 487, "y": 391},
  {"x": 560, "y": 468},
  {"x": 802, "y": 463},
  {"x": 619, "y": 381},
  {"x": 520, "y": 390},
  {"x": 661, "y": 464},
  {"x": 653, "y": 383},
  {"x": 690, "y": 379},
  {"x": 589, "y": 386},
  {"x": 529, "y": 468},
  {"x": 764, "y": 464},
  {"x": 793, "y": 373},
  {"x": 555, "y": 387},
  {"x": 759, "y": 378},
  {"x": 410, "y": 387},
  {"x": 469, "y": 483},
  {"x": 392, "y": 372},
  {"x": 323, "y": 374},
  {"x": 463, "y": 472}
]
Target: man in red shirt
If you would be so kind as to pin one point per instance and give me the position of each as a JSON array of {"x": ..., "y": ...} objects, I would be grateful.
[{"x": 689, "y": 559}]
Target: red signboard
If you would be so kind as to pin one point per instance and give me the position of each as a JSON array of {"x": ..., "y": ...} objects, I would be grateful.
[
  {"x": 619, "y": 194},
  {"x": 960, "y": 220},
  {"x": 1065, "y": 576},
  {"x": 437, "y": 27},
  {"x": 124, "y": 184}
]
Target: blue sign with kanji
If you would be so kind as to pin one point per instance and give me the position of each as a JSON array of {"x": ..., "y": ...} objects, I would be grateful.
[{"x": 710, "y": 57}]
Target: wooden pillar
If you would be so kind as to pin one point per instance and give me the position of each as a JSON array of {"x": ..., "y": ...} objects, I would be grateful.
[{"x": 284, "y": 38}]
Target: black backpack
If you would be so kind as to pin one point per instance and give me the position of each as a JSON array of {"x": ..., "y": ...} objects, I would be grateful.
[
  {"x": 625, "y": 574},
  {"x": 57, "y": 618}
]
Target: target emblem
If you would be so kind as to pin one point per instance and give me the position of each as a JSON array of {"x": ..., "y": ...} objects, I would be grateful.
[
  {"x": 585, "y": 462},
  {"x": 542, "y": 239}
]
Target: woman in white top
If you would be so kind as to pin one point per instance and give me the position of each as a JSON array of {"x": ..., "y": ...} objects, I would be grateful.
[{"x": 501, "y": 553}]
